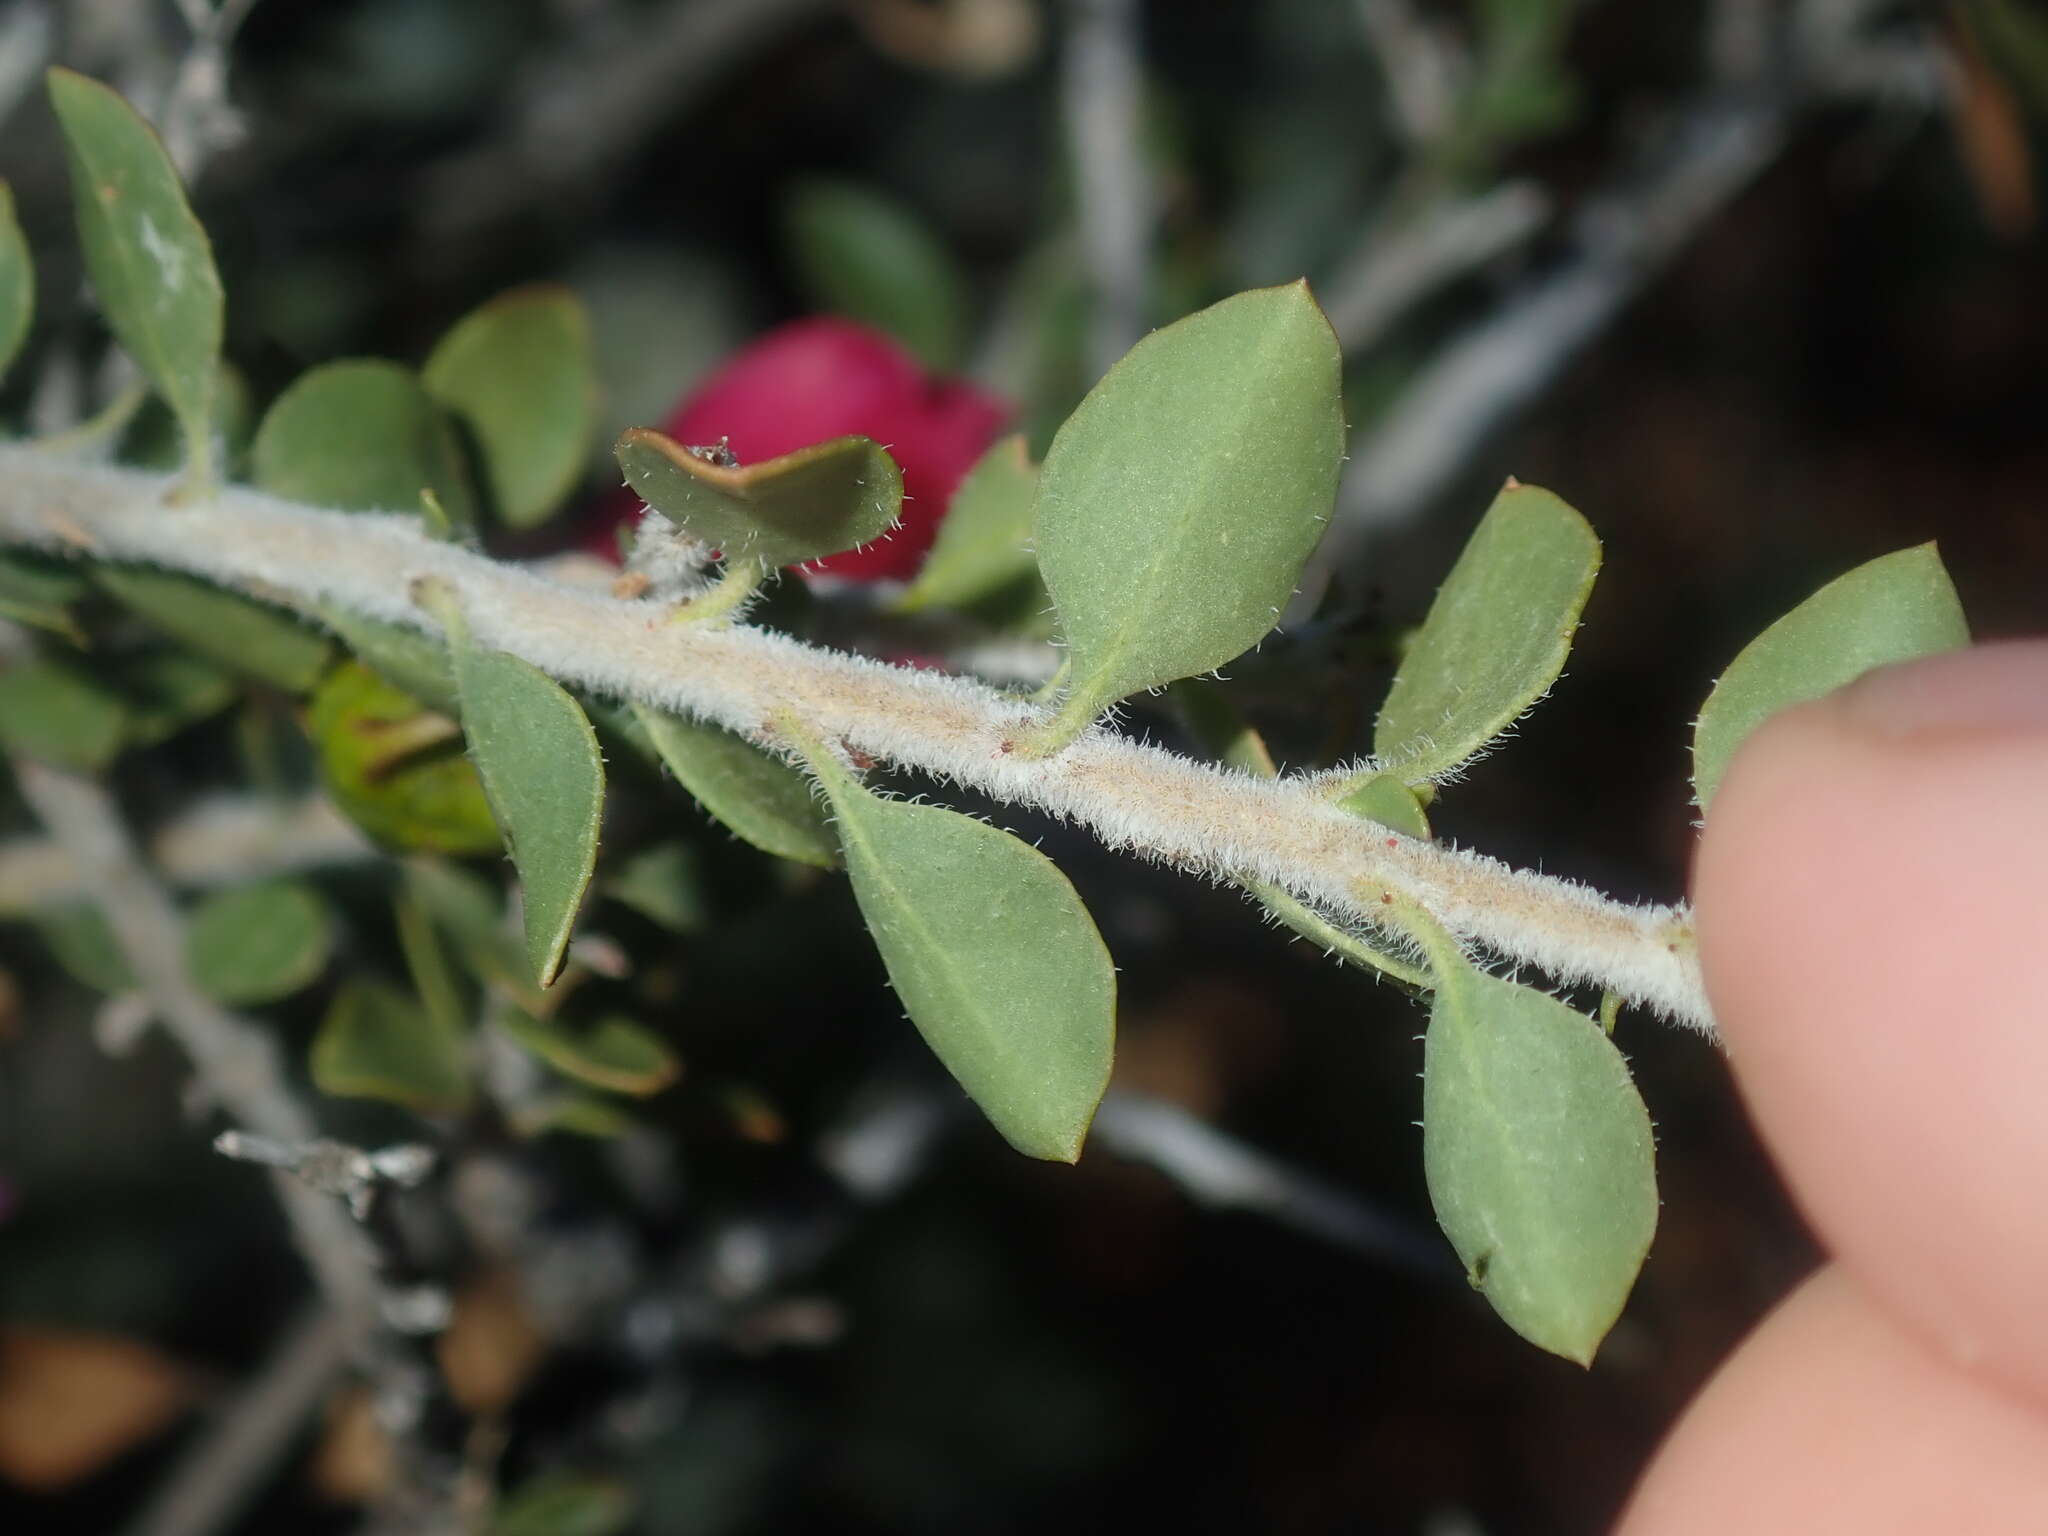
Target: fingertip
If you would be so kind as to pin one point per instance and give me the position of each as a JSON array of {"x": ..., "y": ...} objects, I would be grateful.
[
  {"x": 1872, "y": 889},
  {"x": 1831, "y": 1418}
]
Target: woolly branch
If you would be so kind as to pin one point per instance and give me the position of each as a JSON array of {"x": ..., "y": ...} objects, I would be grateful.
[{"x": 1207, "y": 820}]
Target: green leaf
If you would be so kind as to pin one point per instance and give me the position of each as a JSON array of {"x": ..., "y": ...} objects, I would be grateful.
[
  {"x": 1893, "y": 608},
  {"x": 238, "y": 632},
  {"x": 1219, "y": 730},
  {"x": 664, "y": 885},
  {"x": 1385, "y": 799},
  {"x": 1539, "y": 1156},
  {"x": 167, "y": 691},
  {"x": 257, "y": 943},
  {"x": 57, "y": 714},
  {"x": 869, "y": 258},
  {"x": 984, "y": 545},
  {"x": 362, "y": 435},
  {"x": 17, "y": 281},
  {"x": 574, "y": 1114},
  {"x": 467, "y": 908},
  {"x": 1496, "y": 636},
  {"x": 1179, "y": 502},
  {"x": 403, "y": 657},
  {"x": 755, "y": 794},
  {"x": 543, "y": 775},
  {"x": 83, "y": 943},
  {"x": 803, "y": 506},
  {"x": 565, "y": 1504},
  {"x": 396, "y": 768},
  {"x": 614, "y": 1054},
  {"x": 152, "y": 437},
  {"x": 378, "y": 1043},
  {"x": 37, "y": 590},
  {"x": 992, "y": 954},
  {"x": 149, "y": 258},
  {"x": 518, "y": 372},
  {"x": 2015, "y": 37}
]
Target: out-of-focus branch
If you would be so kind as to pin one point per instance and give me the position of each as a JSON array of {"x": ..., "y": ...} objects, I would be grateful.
[
  {"x": 1394, "y": 270},
  {"x": 222, "y": 841},
  {"x": 1218, "y": 1170},
  {"x": 1621, "y": 239},
  {"x": 25, "y": 34},
  {"x": 216, "y": 1478},
  {"x": 197, "y": 120},
  {"x": 1417, "y": 65},
  {"x": 1101, "y": 93},
  {"x": 237, "y": 1062},
  {"x": 577, "y": 112}
]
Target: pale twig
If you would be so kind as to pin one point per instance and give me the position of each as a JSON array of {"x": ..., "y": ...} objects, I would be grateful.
[
  {"x": 236, "y": 1062},
  {"x": 1418, "y": 66},
  {"x": 197, "y": 119},
  {"x": 25, "y": 39},
  {"x": 222, "y": 841},
  {"x": 1622, "y": 239},
  {"x": 1216, "y": 1169},
  {"x": 215, "y": 1479},
  {"x": 1131, "y": 795},
  {"x": 1496, "y": 368},
  {"x": 1101, "y": 95},
  {"x": 1394, "y": 270},
  {"x": 578, "y": 111}
]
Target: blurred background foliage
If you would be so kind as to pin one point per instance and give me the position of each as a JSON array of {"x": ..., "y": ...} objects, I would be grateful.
[{"x": 1848, "y": 353}]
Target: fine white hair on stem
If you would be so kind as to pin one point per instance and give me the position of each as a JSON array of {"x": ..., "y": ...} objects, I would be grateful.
[{"x": 1150, "y": 801}]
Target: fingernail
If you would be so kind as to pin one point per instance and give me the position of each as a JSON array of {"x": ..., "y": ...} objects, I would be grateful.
[{"x": 1998, "y": 687}]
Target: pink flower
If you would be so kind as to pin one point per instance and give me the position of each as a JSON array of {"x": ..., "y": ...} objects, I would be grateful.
[{"x": 813, "y": 380}]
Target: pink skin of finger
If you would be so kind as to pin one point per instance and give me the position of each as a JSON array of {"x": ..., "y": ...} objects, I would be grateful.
[{"x": 1872, "y": 893}]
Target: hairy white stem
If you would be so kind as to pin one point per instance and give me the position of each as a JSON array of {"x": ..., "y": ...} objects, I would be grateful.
[{"x": 1210, "y": 821}]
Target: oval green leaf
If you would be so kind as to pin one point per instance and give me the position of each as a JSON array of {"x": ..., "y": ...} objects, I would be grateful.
[
  {"x": 565, "y": 1504},
  {"x": 803, "y": 506},
  {"x": 614, "y": 1054},
  {"x": 361, "y": 435},
  {"x": 664, "y": 883},
  {"x": 403, "y": 657},
  {"x": 755, "y": 794},
  {"x": 1385, "y": 799},
  {"x": 166, "y": 691},
  {"x": 56, "y": 714},
  {"x": 1893, "y": 608},
  {"x": 1496, "y": 636},
  {"x": 236, "y": 631},
  {"x": 518, "y": 373},
  {"x": 150, "y": 261},
  {"x": 17, "y": 281},
  {"x": 544, "y": 778},
  {"x": 984, "y": 545},
  {"x": 257, "y": 943},
  {"x": 468, "y": 908},
  {"x": 378, "y": 1043},
  {"x": 993, "y": 955},
  {"x": 1539, "y": 1156},
  {"x": 395, "y": 768},
  {"x": 83, "y": 943},
  {"x": 1178, "y": 503},
  {"x": 869, "y": 258},
  {"x": 37, "y": 591}
]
